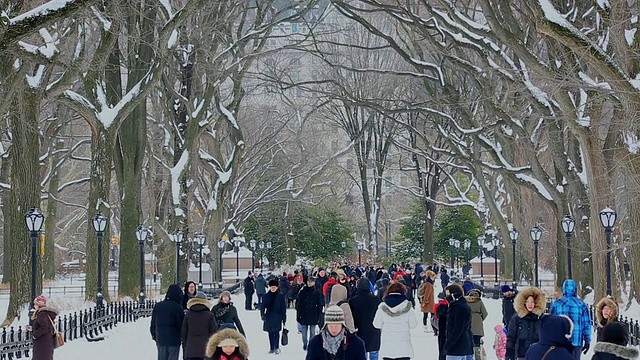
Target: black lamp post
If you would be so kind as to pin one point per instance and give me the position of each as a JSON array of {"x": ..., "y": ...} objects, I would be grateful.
[
  {"x": 34, "y": 220},
  {"x": 457, "y": 261},
  {"x": 261, "y": 246},
  {"x": 100, "y": 225},
  {"x": 252, "y": 245},
  {"x": 495, "y": 242},
  {"x": 568, "y": 224},
  {"x": 451, "y": 242},
  {"x": 141, "y": 235},
  {"x": 536, "y": 234},
  {"x": 360, "y": 247},
  {"x": 177, "y": 237},
  {"x": 514, "y": 234},
  {"x": 608, "y": 220},
  {"x": 481, "y": 247},
  {"x": 154, "y": 248},
  {"x": 269, "y": 253},
  {"x": 199, "y": 240},
  {"x": 221, "y": 245},
  {"x": 467, "y": 246},
  {"x": 237, "y": 241}
]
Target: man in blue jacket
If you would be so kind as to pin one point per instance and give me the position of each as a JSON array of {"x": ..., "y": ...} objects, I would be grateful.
[
  {"x": 166, "y": 324},
  {"x": 578, "y": 312}
]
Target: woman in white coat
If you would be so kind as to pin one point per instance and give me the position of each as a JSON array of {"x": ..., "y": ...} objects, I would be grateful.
[{"x": 395, "y": 318}]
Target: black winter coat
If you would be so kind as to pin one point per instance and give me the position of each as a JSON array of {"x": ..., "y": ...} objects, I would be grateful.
[
  {"x": 309, "y": 306},
  {"x": 227, "y": 314},
  {"x": 167, "y": 318},
  {"x": 351, "y": 349},
  {"x": 320, "y": 281},
  {"x": 249, "y": 288},
  {"x": 507, "y": 308},
  {"x": 198, "y": 325},
  {"x": 274, "y": 311},
  {"x": 284, "y": 285},
  {"x": 522, "y": 332},
  {"x": 363, "y": 308},
  {"x": 609, "y": 351},
  {"x": 441, "y": 315},
  {"x": 459, "y": 337}
]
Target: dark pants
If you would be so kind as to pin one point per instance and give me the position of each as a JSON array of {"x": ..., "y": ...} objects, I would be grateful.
[
  {"x": 274, "y": 340},
  {"x": 168, "y": 352},
  {"x": 402, "y": 358},
  {"x": 476, "y": 340},
  {"x": 577, "y": 352},
  {"x": 248, "y": 301},
  {"x": 260, "y": 300}
]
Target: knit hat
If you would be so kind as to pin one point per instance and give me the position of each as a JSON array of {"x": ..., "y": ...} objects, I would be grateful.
[
  {"x": 455, "y": 291},
  {"x": 505, "y": 288},
  {"x": 615, "y": 333},
  {"x": 40, "y": 301},
  {"x": 228, "y": 342},
  {"x": 200, "y": 295},
  {"x": 225, "y": 294},
  {"x": 311, "y": 279},
  {"x": 320, "y": 269},
  {"x": 273, "y": 282},
  {"x": 334, "y": 315}
]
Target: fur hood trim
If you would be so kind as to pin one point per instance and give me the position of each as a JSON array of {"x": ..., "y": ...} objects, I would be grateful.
[
  {"x": 216, "y": 338},
  {"x": 473, "y": 296},
  {"x": 625, "y": 352},
  {"x": 196, "y": 301},
  {"x": 402, "y": 308},
  {"x": 607, "y": 301},
  {"x": 48, "y": 308},
  {"x": 520, "y": 300}
]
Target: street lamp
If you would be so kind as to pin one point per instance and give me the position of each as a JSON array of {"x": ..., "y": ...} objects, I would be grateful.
[
  {"x": 221, "y": 245},
  {"x": 608, "y": 220},
  {"x": 199, "y": 239},
  {"x": 100, "y": 225},
  {"x": 467, "y": 246},
  {"x": 360, "y": 247},
  {"x": 177, "y": 237},
  {"x": 481, "y": 247},
  {"x": 269, "y": 252},
  {"x": 536, "y": 234},
  {"x": 514, "y": 234},
  {"x": 34, "y": 220},
  {"x": 495, "y": 242},
  {"x": 252, "y": 245},
  {"x": 261, "y": 246},
  {"x": 237, "y": 241},
  {"x": 154, "y": 248},
  {"x": 141, "y": 234},
  {"x": 457, "y": 246},
  {"x": 451, "y": 242},
  {"x": 568, "y": 224}
]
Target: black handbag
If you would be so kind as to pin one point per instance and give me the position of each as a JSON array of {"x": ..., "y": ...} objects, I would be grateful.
[{"x": 284, "y": 340}]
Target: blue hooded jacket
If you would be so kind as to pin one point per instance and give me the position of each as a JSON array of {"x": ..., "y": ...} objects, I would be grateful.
[
  {"x": 576, "y": 310},
  {"x": 554, "y": 331}
]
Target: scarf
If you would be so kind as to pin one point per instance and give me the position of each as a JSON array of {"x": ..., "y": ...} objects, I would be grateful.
[
  {"x": 332, "y": 343},
  {"x": 222, "y": 310}
]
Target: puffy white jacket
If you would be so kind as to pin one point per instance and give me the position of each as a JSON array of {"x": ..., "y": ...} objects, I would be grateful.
[{"x": 395, "y": 324}]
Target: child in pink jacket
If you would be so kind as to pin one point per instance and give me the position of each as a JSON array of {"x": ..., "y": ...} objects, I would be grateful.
[{"x": 500, "y": 342}]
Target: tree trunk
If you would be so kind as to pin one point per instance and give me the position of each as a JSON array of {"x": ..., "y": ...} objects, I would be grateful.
[
  {"x": 5, "y": 196},
  {"x": 49, "y": 260}
]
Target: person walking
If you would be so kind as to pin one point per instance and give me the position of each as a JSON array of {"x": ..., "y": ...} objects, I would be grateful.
[
  {"x": 334, "y": 340},
  {"x": 440, "y": 315},
  {"x": 613, "y": 346},
  {"x": 261, "y": 288},
  {"x": 190, "y": 289},
  {"x": 285, "y": 286},
  {"x": 459, "y": 338},
  {"x": 249, "y": 289},
  {"x": 226, "y": 313},
  {"x": 274, "y": 315},
  {"x": 42, "y": 329},
  {"x": 444, "y": 278},
  {"x": 166, "y": 324},
  {"x": 339, "y": 297},
  {"x": 508, "y": 296},
  {"x": 227, "y": 344},
  {"x": 363, "y": 308},
  {"x": 198, "y": 325},
  {"x": 478, "y": 314},
  {"x": 308, "y": 310},
  {"x": 554, "y": 343},
  {"x": 426, "y": 297},
  {"x": 606, "y": 313},
  {"x": 522, "y": 330},
  {"x": 570, "y": 305},
  {"x": 395, "y": 319}
]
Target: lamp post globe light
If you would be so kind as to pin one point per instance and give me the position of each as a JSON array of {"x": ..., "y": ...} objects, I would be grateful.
[
  {"x": 199, "y": 239},
  {"x": 141, "y": 235},
  {"x": 536, "y": 234},
  {"x": 100, "y": 225},
  {"x": 221, "y": 244},
  {"x": 237, "y": 241},
  {"x": 451, "y": 242},
  {"x": 481, "y": 248},
  {"x": 34, "y": 220},
  {"x": 608, "y": 220},
  {"x": 252, "y": 245},
  {"x": 568, "y": 224},
  {"x": 467, "y": 246},
  {"x": 177, "y": 237},
  {"x": 360, "y": 247},
  {"x": 261, "y": 246},
  {"x": 514, "y": 234},
  {"x": 495, "y": 242}
]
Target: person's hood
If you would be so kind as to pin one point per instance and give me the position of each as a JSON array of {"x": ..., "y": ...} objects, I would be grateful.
[
  {"x": 569, "y": 288},
  {"x": 197, "y": 301},
  {"x": 473, "y": 296},
  {"x": 394, "y": 299},
  {"x": 538, "y": 297},
  {"x": 607, "y": 301},
  {"x": 50, "y": 308},
  {"x": 386, "y": 276},
  {"x": 174, "y": 293},
  {"x": 338, "y": 293},
  {"x": 498, "y": 329},
  {"x": 216, "y": 338},
  {"x": 556, "y": 330},
  {"x": 393, "y": 311},
  {"x": 624, "y": 352},
  {"x": 364, "y": 285}
]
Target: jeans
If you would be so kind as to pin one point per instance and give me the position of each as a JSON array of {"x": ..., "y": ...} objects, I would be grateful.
[
  {"x": 372, "y": 355},
  {"x": 168, "y": 352},
  {"x": 460, "y": 357},
  {"x": 577, "y": 352},
  {"x": 274, "y": 340},
  {"x": 260, "y": 300},
  {"x": 308, "y": 331}
]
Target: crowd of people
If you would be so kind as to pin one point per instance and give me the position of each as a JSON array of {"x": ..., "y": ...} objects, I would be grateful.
[{"x": 358, "y": 313}]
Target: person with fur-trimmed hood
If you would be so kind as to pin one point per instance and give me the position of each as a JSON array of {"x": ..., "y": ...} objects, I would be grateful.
[
  {"x": 522, "y": 330},
  {"x": 198, "y": 325},
  {"x": 613, "y": 345},
  {"x": 395, "y": 318},
  {"x": 42, "y": 329},
  {"x": 478, "y": 314},
  {"x": 227, "y": 344},
  {"x": 555, "y": 339},
  {"x": 606, "y": 313}
]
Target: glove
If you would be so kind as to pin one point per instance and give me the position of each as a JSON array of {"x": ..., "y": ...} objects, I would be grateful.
[{"x": 585, "y": 347}]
